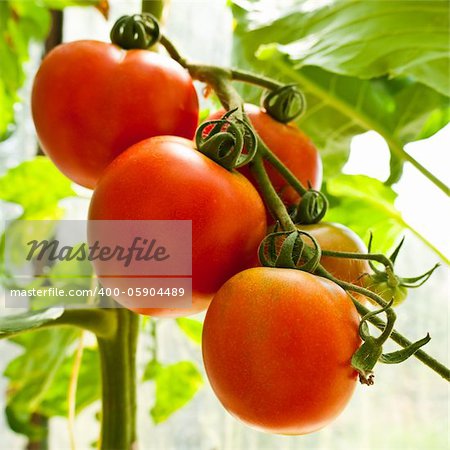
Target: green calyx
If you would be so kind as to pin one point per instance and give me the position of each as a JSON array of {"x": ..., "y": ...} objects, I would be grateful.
[
  {"x": 285, "y": 103},
  {"x": 390, "y": 286},
  {"x": 371, "y": 350},
  {"x": 312, "y": 208},
  {"x": 287, "y": 249},
  {"x": 139, "y": 31},
  {"x": 225, "y": 140}
]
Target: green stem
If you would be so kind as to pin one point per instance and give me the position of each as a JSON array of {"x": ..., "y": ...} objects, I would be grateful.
[
  {"x": 382, "y": 259},
  {"x": 117, "y": 356},
  {"x": 154, "y": 7},
  {"x": 101, "y": 322},
  {"x": 271, "y": 197},
  {"x": 257, "y": 80},
  {"x": 422, "y": 356},
  {"x": 220, "y": 80},
  {"x": 272, "y": 159}
]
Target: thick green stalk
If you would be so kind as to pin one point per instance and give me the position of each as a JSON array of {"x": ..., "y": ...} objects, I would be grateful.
[
  {"x": 117, "y": 356},
  {"x": 155, "y": 8}
]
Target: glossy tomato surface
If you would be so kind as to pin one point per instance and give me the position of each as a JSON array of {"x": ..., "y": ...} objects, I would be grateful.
[
  {"x": 92, "y": 100},
  {"x": 277, "y": 346},
  {"x": 291, "y": 146},
  {"x": 338, "y": 238},
  {"x": 165, "y": 178}
]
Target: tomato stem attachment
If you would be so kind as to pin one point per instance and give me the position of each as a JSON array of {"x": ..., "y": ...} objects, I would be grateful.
[
  {"x": 224, "y": 141},
  {"x": 291, "y": 251},
  {"x": 139, "y": 31},
  {"x": 312, "y": 208},
  {"x": 421, "y": 355},
  {"x": 284, "y": 103}
]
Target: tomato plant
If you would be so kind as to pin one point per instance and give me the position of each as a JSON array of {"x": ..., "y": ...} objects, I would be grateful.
[
  {"x": 277, "y": 345},
  {"x": 291, "y": 146},
  {"x": 92, "y": 100},
  {"x": 165, "y": 178}
]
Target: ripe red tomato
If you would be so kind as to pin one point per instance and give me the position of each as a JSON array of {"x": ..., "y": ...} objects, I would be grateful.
[
  {"x": 92, "y": 100},
  {"x": 165, "y": 178},
  {"x": 277, "y": 348},
  {"x": 291, "y": 146},
  {"x": 338, "y": 238}
]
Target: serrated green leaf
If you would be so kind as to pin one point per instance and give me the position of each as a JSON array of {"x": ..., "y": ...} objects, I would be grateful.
[
  {"x": 176, "y": 385},
  {"x": 27, "y": 321},
  {"x": 191, "y": 328},
  {"x": 28, "y": 185}
]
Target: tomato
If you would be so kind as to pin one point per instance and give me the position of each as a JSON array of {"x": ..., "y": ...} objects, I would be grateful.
[
  {"x": 165, "y": 178},
  {"x": 277, "y": 348},
  {"x": 92, "y": 100},
  {"x": 291, "y": 146},
  {"x": 338, "y": 238}
]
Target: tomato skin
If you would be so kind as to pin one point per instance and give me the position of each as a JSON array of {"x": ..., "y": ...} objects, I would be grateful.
[
  {"x": 291, "y": 146},
  {"x": 165, "y": 178},
  {"x": 338, "y": 238},
  {"x": 277, "y": 346},
  {"x": 92, "y": 100}
]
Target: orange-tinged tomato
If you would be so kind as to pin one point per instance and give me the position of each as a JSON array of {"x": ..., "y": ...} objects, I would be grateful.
[
  {"x": 165, "y": 178},
  {"x": 277, "y": 348}
]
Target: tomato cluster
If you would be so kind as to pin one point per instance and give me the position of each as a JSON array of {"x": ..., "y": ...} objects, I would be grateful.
[{"x": 277, "y": 343}]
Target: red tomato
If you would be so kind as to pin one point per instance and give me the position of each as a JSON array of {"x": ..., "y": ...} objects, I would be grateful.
[
  {"x": 291, "y": 146},
  {"x": 165, "y": 178},
  {"x": 277, "y": 348},
  {"x": 92, "y": 100}
]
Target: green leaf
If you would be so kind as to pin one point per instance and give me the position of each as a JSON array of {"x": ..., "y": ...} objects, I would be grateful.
[
  {"x": 27, "y": 321},
  {"x": 88, "y": 385},
  {"x": 270, "y": 38},
  {"x": 365, "y": 205},
  {"x": 176, "y": 385},
  {"x": 402, "y": 355},
  {"x": 21, "y": 22},
  {"x": 28, "y": 185},
  {"x": 32, "y": 374},
  {"x": 373, "y": 39},
  {"x": 191, "y": 328},
  {"x": 151, "y": 370}
]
